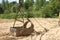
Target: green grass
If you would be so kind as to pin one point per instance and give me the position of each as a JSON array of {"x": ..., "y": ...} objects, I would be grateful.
[
  {"x": 7, "y": 16},
  {"x": 12, "y": 16}
]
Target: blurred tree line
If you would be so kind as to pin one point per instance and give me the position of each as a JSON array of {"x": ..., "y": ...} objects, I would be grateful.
[{"x": 32, "y": 8}]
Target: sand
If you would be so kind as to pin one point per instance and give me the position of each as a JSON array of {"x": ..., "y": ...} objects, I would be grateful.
[{"x": 39, "y": 25}]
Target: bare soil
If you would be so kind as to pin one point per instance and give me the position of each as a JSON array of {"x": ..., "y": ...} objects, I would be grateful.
[{"x": 39, "y": 25}]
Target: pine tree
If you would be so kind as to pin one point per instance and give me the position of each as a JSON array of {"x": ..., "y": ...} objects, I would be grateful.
[
  {"x": 3, "y": 4},
  {"x": 7, "y": 4}
]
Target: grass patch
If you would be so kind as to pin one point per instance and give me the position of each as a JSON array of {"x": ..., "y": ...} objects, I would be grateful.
[
  {"x": 12, "y": 16},
  {"x": 8, "y": 16}
]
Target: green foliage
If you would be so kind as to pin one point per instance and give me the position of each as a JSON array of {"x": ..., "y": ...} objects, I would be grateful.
[
  {"x": 39, "y": 8},
  {"x": 28, "y": 4},
  {"x": 40, "y": 4},
  {"x": 14, "y": 9},
  {"x": 3, "y": 4},
  {"x": 8, "y": 16},
  {"x": 50, "y": 9},
  {"x": 1, "y": 10}
]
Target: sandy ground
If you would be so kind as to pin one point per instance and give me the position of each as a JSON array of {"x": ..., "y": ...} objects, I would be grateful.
[{"x": 39, "y": 25}]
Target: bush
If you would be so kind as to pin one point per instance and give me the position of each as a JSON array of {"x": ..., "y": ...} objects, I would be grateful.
[{"x": 1, "y": 10}]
